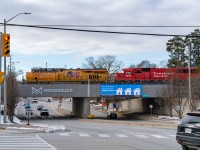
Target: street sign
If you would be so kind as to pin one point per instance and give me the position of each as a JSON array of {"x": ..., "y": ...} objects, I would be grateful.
[
  {"x": 27, "y": 107},
  {"x": 121, "y": 89},
  {"x": 1, "y": 77}
]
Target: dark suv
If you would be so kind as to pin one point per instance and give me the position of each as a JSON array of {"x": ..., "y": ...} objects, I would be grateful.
[{"x": 188, "y": 133}]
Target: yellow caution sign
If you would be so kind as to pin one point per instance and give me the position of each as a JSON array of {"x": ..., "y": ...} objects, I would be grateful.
[{"x": 1, "y": 77}]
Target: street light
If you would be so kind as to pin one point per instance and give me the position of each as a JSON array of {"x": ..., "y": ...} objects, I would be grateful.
[{"x": 5, "y": 93}]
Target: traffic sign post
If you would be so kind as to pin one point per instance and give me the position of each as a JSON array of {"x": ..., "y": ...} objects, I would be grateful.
[{"x": 151, "y": 107}]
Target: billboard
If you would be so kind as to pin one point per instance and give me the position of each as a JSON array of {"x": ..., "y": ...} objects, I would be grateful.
[{"x": 121, "y": 89}]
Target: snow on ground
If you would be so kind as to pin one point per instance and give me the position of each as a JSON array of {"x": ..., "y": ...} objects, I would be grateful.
[
  {"x": 16, "y": 120},
  {"x": 168, "y": 118},
  {"x": 47, "y": 128}
]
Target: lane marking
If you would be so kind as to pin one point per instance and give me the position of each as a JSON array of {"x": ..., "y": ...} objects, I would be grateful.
[{"x": 159, "y": 136}]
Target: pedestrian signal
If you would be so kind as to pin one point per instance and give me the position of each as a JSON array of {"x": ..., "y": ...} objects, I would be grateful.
[{"x": 5, "y": 45}]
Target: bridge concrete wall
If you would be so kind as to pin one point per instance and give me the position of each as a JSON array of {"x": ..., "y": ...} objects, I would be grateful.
[
  {"x": 58, "y": 90},
  {"x": 75, "y": 90}
]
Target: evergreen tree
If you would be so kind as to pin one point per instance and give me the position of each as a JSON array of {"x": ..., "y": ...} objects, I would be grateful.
[
  {"x": 195, "y": 51},
  {"x": 176, "y": 49}
]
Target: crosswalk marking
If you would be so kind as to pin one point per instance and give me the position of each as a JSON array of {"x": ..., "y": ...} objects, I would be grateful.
[
  {"x": 120, "y": 135},
  {"x": 103, "y": 135},
  {"x": 141, "y": 136},
  {"x": 84, "y": 135},
  {"x": 159, "y": 136},
  {"x": 64, "y": 134},
  {"x": 22, "y": 142}
]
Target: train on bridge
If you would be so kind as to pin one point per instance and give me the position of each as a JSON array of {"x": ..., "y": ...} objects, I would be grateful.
[
  {"x": 152, "y": 75},
  {"x": 100, "y": 75},
  {"x": 50, "y": 75}
]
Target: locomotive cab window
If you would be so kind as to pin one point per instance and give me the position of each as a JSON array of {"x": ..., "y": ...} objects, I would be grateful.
[{"x": 128, "y": 73}]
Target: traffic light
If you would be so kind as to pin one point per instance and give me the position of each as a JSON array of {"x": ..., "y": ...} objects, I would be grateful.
[
  {"x": 5, "y": 45},
  {"x": 1, "y": 77}
]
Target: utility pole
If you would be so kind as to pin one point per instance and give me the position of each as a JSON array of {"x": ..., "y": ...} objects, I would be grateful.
[
  {"x": 189, "y": 74},
  {"x": 88, "y": 85},
  {"x": 0, "y": 71}
]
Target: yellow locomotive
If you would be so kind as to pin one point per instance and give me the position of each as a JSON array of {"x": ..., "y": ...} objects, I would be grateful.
[{"x": 50, "y": 75}]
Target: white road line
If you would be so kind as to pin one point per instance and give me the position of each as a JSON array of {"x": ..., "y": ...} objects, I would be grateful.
[
  {"x": 141, "y": 136},
  {"x": 84, "y": 135},
  {"x": 159, "y": 136},
  {"x": 64, "y": 134},
  {"x": 172, "y": 135},
  {"x": 121, "y": 135},
  {"x": 103, "y": 135},
  {"x": 24, "y": 142},
  {"x": 46, "y": 142}
]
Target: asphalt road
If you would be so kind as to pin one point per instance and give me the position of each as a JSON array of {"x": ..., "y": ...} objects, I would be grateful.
[
  {"x": 96, "y": 134},
  {"x": 87, "y": 135}
]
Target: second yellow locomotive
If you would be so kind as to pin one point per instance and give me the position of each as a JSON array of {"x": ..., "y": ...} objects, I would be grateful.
[{"x": 49, "y": 75}]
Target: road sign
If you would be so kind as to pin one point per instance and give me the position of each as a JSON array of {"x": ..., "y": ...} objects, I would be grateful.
[
  {"x": 1, "y": 77},
  {"x": 27, "y": 106}
]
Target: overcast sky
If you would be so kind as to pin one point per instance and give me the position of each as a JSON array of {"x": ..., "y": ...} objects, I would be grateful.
[{"x": 34, "y": 47}]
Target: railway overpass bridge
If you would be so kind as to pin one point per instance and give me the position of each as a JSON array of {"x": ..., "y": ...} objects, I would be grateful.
[{"x": 81, "y": 93}]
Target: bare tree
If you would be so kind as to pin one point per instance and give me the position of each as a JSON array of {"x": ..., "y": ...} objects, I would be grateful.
[
  {"x": 12, "y": 90},
  {"x": 12, "y": 94},
  {"x": 109, "y": 62},
  {"x": 195, "y": 100},
  {"x": 174, "y": 95}
]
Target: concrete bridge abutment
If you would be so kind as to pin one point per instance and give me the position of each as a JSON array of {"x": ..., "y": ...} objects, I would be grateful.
[{"x": 81, "y": 106}]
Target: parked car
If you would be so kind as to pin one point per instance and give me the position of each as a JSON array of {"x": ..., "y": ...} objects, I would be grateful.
[
  {"x": 44, "y": 112},
  {"x": 40, "y": 107},
  {"x": 188, "y": 131},
  {"x": 111, "y": 115},
  {"x": 34, "y": 101}
]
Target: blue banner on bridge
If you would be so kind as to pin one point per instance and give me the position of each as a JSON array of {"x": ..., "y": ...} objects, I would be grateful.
[{"x": 121, "y": 89}]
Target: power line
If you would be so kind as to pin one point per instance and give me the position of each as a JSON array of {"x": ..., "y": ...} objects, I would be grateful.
[
  {"x": 97, "y": 31},
  {"x": 120, "y": 26}
]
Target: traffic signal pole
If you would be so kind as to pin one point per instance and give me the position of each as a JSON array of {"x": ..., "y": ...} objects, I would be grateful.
[
  {"x": 0, "y": 71},
  {"x": 5, "y": 85}
]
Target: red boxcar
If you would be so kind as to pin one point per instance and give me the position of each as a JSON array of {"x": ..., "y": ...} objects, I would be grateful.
[{"x": 153, "y": 74}]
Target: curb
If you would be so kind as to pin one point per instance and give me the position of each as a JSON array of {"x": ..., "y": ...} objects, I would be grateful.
[{"x": 135, "y": 123}]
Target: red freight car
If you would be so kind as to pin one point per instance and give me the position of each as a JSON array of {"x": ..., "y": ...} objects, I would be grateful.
[{"x": 153, "y": 74}]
